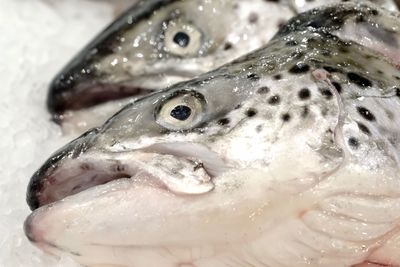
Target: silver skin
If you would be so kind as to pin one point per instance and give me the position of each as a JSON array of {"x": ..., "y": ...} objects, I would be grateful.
[
  {"x": 304, "y": 5},
  {"x": 288, "y": 156},
  {"x": 138, "y": 54},
  {"x": 144, "y": 57}
]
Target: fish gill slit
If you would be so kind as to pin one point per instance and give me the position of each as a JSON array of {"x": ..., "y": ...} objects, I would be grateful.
[{"x": 323, "y": 76}]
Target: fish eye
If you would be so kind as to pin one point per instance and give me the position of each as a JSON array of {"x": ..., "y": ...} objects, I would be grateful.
[
  {"x": 182, "y": 39},
  {"x": 182, "y": 111}
]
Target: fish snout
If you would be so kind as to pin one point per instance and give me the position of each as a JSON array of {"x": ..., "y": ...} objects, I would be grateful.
[
  {"x": 36, "y": 234},
  {"x": 29, "y": 231},
  {"x": 73, "y": 78},
  {"x": 44, "y": 177},
  {"x": 80, "y": 87}
]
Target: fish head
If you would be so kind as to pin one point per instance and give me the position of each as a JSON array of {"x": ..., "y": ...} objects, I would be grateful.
[
  {"x": 288, "y": 145},
  {"x": 303, "y": 5},
  {"x": 175, "y": 168},
  {"x": 158, "y": 43}
]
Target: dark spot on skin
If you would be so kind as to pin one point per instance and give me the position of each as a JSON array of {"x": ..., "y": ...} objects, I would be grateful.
[
  {"x": 330, "y": 69},
  {"x": 253, "y": 18},
  {"x": 363, "y": 128},
  {"x": 312, "y": 41},
  {"x": 228, "y": 46},
  {"x": 316, "y": 60},
  {"x": 238, "y": 106},
  {"x": 181, "y": 39},
  {"x": 366, "y": 114},
  {"x": 397, "y": 91},
  {"x": 259, "y": 128},
  {"x": 379, "y": 72},
  {"x": 374, "y": 12},
  {"x": 120, "y": 168},
  {"x": 343, "y": 50},
  {"x": 360, "y": 18},
  {"x": 253, "y": 77},
  {"x": 326, "y": 53},
  {"x": 393, "y": 140},
  {"x": 297, "y": 55},
  {"x": 181, "y": 112},
  {"x": 304, "y": 94},
  {"x": 223, "y": 121},
  {"x": 274, "y": 100},
  {"x": 277, "y": 77},
  {"x": 389, "y": 114},
  {"x": 285, "y": 117},
  {"x": 263, "y": 90},
  {"x": 291, "y": 43},
  {"x": 326, "y": 93},
  {"x": 358, "y": 80},
  {"x": 337, "y": 86},
  {"x": 85, "y": 167},
  {"x": 353, "y": 142},
  {"x": 251, "y": 112},
  {"x": 396, "y": 77},
  {"x": 324, "y": 111},
  {"x": 305, "y": 112},
  {"x": 299, "y": 68}
]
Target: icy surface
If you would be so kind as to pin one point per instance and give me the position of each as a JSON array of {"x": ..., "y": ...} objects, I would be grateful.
[{"x": 37, "y": 37}]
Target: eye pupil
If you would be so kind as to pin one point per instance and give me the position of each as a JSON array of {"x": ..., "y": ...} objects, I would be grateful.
[
  {"x": 182, "y": 39},
  {"x": 181, "y": 112}
]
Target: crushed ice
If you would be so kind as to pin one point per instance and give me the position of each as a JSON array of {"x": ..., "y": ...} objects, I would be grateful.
[{"x": 37, "y": 39}]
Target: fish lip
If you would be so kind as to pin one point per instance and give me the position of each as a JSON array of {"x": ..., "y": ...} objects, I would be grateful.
[
  {"x": 71, "y": 150},
  {"x": 62, "y": 98},
  {"x": 72, "y": 91},
  {"x": 30, "y": 228},
  {"x": 49, "y": 185}
]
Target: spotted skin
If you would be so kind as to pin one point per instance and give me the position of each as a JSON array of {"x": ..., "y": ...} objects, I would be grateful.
[
  {"x": 304, "y": 5},
  {"x": 262, "y": 160},
  {"x": 138, "y": 53}
]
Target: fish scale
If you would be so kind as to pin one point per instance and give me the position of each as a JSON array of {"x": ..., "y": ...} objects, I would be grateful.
[
  {"x": 296, "y": 147},
  {"x": 157, "y": 43}
]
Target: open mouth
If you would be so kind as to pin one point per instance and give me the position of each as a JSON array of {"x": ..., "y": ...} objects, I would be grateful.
[{"x": 182, "y": 168}]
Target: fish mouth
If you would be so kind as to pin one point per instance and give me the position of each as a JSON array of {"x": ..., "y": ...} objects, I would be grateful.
[
  {"x": 75, "y": 92},
  {"x": 62, "y": 97},
  {"x": 181, "y": 168},
  {"x": 80, "y": 83}
]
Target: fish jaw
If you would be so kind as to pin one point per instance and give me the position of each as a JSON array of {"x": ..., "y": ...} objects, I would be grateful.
[
  {"x": 111, "y": 68},
  {"x": 165, "y": 165},
  {"x": 136, "y": 218}
]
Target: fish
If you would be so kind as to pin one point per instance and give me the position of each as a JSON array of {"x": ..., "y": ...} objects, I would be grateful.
[
  {"x": 305, "y": 5},
  {"x": 133, "y": 56},
  {"x": 154, "y": 44},
  {"x": 286, "y": 156},
  {"x": 96, "y": 84}
]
